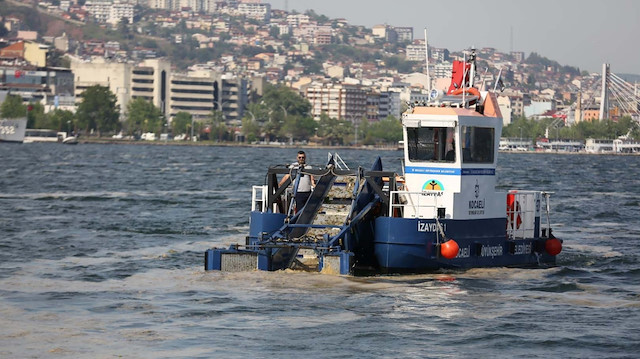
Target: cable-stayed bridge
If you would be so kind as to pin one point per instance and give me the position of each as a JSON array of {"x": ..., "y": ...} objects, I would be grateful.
[{"x": 618, "y": 97}]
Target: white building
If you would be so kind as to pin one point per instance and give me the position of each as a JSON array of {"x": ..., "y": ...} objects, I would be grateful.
[
  {"x": 442, "y": 70},
  {"x": 120, "y": 10},
  {"x": 257, "y": 11},
  {"x": 416, "y": 51},
  {"x": 99, "y": 9},
  {"x": 296, "y": 20}
]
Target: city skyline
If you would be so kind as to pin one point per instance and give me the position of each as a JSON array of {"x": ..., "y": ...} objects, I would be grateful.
[{"x": 583, "y": 34}]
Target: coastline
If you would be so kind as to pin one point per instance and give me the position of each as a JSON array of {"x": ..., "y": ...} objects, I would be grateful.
[{"x": 111, "y": 141}]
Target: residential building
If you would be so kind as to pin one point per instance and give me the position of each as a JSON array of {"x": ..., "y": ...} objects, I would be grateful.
[
  {"x": 120, "y": 10},
  {"x": 295, "y": 20},
  {"x": 379, "y": 31},
  {"x": 442, "y": 70},
  {"x": 100, "y": 10},
  {"x": 505, "y": 109},
  {"x": 416, "y": 51},
  {"x": 340, "y": 101},
  {"x": 518, "y": 56},
  {"x": 405, "y": 34},
  {"x": 538, "y": 107},
  {"x": 257, "y": 11},
  {"x": 439, "y": 54}
]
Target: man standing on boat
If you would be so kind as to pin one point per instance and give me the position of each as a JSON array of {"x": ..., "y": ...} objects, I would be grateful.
[{"x": 306, "y": 183}]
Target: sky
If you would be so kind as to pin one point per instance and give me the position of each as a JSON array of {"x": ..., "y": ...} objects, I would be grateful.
[{"x": 582, "y": 34}]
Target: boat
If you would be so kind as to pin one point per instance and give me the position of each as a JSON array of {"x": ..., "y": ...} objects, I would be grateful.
[
  {"x": 13, "y": 130},
  {"x": 70, "y": 140},
  {"x": 442, "y": 213}
]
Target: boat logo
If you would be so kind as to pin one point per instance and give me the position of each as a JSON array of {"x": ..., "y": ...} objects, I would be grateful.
[
  {"x": 433, "y": 185},
  {"x": 477, "y": 189}
]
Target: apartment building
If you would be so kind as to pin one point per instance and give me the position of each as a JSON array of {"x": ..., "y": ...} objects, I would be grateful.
[
  {"x": 120, "y": 10},
  {"x": 110, "y": 11},
  {"x": 405, "y": 34},
  {"x": 340, "y": 101},
  {"x": 99, "y": 9},
  {"x": 257, "y": 11},
  {"x": 439, "y": 54},
  {"x": 416, "y": 51},
  {"x": 295, "y": 20},
  {"x": 442, "y": 70}
]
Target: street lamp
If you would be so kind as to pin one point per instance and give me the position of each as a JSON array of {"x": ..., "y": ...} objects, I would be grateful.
[{"x": 520, "y": 132}]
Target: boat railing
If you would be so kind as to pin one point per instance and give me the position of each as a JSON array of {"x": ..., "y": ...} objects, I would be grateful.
[
  {"x": 523, "y": 213},
  {"x": 401, "y": 200},
  {"x": 259, "y": 198}
]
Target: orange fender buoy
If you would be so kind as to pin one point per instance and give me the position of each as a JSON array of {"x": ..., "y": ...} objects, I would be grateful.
[
  {"x": 553, "y": 246},
  {"x": 470, "y": 90},
  {"x": 449, "y": 249}
]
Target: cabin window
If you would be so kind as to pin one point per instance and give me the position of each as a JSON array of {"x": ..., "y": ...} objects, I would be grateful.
[
  {"x": 431, "y": 144},
  {"x": 477, "y": 144}
]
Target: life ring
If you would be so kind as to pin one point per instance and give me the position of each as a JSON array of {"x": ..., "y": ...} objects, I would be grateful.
[
  {"x": 513, "y": 212},
  {"x": 470, "y": 90}
]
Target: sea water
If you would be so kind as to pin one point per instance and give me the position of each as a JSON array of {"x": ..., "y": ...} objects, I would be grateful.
[{"x": 101, "y": 256}]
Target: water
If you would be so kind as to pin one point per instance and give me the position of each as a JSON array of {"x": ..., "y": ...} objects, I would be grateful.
[{"x": 101, "y": 256}]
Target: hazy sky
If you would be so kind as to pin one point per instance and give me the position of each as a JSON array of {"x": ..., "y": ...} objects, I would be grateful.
[{"x": 583, "y": 33}]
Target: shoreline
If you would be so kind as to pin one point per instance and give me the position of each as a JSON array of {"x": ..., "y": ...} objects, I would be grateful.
[{"x": 110, "y": 141}]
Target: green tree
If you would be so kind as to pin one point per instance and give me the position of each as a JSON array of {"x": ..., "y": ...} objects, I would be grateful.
[
  {"x": 251, "y": 129},
  {"x": 181, "y": 123},
  {"x": 37, "y": 117},
  {"x": 333, "y": 131},
  {"x": 274, "y": 32},
  {"x": 123, "y": 28},
  {"x": 389, "y": 130},
  {"x": 12, "y": 107},
  {"x": 217, "y": 127},
  {"x": 98, "y": 110},
  {"x": 143, "y": 116},
  {"x": 62, "y": 120}
]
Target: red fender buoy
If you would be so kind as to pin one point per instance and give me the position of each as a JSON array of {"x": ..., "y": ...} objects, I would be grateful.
[
  {"x": 553, "y": 246},
  {"x": 449, "y": 249}
]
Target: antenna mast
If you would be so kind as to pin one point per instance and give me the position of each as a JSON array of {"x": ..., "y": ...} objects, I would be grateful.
[{"x": 426, "y": 58}]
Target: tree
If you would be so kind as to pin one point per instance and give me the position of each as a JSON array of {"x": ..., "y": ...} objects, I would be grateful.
[
  {"x": 12, "y": 107},
  {"x": 217, "y": 128},
  {"x": 250, "y": 128},
  {"x": 61, "y": 120},
  {"x": 123, "y": 28},
  {"x": 181, "y": 122},
  {"x": 98, "y": 110},
  {"x": 274, "y": 32},
  {"x": 389, "y": 130},
  {"x": 37, "y": 118},
  {"x": 143, "y": 116}
]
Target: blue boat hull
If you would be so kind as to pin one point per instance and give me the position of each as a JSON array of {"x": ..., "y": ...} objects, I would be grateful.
[{"x": 410, "y": 245}]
